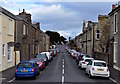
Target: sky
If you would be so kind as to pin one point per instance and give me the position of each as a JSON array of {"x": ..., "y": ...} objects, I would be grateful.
[{"x": 63, "y": 16}]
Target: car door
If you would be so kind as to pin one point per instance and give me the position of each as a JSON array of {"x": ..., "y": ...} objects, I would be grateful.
[{"x": 89, "y": 66}]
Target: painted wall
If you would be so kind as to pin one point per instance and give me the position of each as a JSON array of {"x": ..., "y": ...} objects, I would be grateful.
[{"x": 6, "y": 38}]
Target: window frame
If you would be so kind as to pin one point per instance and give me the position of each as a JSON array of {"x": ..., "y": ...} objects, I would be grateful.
[
  {"x": 3, "y": 49},
  {"x": 115, "y": 23},
  {"x": 97, "y": 34},
  {"x": 115, "y": 51},
  {"x": 9, "y": 53}
]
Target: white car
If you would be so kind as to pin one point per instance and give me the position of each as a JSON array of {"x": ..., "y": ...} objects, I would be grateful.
[
  {"x": 72, "y": 52},
  {"x": 97, "y": 68},
  {"x": 83, "y": 63},
  {"x": 48, "y": 55}
]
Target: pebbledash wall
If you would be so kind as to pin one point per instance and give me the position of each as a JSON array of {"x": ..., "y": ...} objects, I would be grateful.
[{"x": 7, "y": 25}]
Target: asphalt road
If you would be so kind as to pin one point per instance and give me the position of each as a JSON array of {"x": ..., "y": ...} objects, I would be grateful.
[{"x": 63, "y": 69}]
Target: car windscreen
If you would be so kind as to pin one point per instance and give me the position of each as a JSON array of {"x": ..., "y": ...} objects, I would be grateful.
[
  {"x": 88, "y": 60},
  {"x": 41, "y": 56},
  {"x": 25, "y": 65},
  {"x": 101, "y": 64}
]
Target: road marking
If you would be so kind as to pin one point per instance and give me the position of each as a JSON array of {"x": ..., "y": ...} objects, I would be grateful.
[
  {"x": 63, "y": 66},
  {"x": 63, "y": 71},
  {"x": 11, "y": 80},
  {"x": 62, "y": 79},
  {"x": 63, "y": 60},
  {"x": 113, "y": 80}
]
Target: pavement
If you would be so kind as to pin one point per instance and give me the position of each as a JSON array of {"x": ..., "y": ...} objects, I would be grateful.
[
  {"x": 7, "y": 75},
  {"x": 115, "y": 75},
  {"x": 62, "y": 70}
]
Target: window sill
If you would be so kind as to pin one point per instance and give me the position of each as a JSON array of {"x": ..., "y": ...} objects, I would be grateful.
[
  {"x": 115, "y": 33},
  {"x": 3, "y": 55},
  {"x": 10, "y": 35},
  {"x": 9, "y": 61}
]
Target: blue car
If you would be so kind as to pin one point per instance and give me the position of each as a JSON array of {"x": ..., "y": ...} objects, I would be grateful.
[{"x": 27, "y": 69}]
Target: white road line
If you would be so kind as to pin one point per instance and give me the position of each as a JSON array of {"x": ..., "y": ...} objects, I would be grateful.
[
  {"x": 62, "y": 79},
  {"x": 63, "y": 71},
  {"x": 63, "y": 66},
  {"x": 113, "y": 80},
  {"x": 63, "y": 60},
  {"x": 11, "y": 80}
]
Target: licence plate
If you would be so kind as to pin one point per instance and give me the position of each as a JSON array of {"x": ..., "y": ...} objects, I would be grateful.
[
  {"x": 24, "y": 70},
  {"x": 100, "y": 69}
]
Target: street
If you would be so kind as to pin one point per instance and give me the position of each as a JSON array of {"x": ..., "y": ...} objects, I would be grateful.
[{"x": 63, "y": 69}]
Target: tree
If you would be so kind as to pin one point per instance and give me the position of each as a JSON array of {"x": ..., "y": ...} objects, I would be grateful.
[
  {"x": 55, "y": 37},
  {"x": 105, "y": 35}
]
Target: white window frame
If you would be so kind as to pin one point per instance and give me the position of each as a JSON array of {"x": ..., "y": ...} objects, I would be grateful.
[
  {"x": 97, "y": 34},
  {"x": 9, "y": 53},
  {"x": 3, "y": 49},
  {"x": 0, "y": 53},
  {"x": 114, "y": 57},
  {"x": 115, "y": 23},
  {"x": 10, "y": 27},
  {"x": 24, "y": 29}
]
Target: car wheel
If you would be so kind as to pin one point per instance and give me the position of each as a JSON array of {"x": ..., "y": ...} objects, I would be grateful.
[
  {"x": 34, "y": 77},
  {"x": 16, "y": 78},
  {"x": 38, "y": 72}
]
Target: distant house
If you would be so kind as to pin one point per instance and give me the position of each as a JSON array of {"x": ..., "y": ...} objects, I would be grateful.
[
  {"x": 7, "y": 26},
  {"x": 115, "y": 37},
  {"x": 88, "y": 41}
]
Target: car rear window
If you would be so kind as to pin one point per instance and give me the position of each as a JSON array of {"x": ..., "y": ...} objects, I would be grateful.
[
  {"x": 25, "y": 65},
  {"x": 100, "y": 64},
  {"x": 88, "y": 60},
  {"x": 41, "y": 56}
]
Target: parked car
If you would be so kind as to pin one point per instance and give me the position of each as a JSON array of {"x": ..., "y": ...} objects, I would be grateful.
[
  {"x": 54, "y": 52},
  {"x": 79, "y": 57},
  {"x": 83, "y": 63},
  {"x": 48, "y": 55},
  {"x": 76, "y": 55},
  {"x": 40, "y": 62},
  {"x": 27, "y": 69},
  {"x": 72, "y": 52},
  {"x": 44, "y": 57},
  {"x": 97, "y": 68}
]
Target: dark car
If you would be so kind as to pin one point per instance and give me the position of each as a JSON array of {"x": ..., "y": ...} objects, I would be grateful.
[
  {"x": 79, "y": 57},
  {"x": 27, "y": 69},
  {"x": 40, "y": 62},
  {"x": 44, "y": 57}
]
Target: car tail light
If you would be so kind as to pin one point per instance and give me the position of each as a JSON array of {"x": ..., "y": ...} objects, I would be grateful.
[
  {"x": 83, "y": 62},
  {"x": 107, "y": 70},
  {"x": 93, "y": 69},
  {"x": 32, "y": 70},
  {"x": 16, "y": 70}
]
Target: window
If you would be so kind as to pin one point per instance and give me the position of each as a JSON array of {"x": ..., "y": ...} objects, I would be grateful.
[
  {"x": 10, "y": 27},
  {"x": 24, "y": 30},
  {"x": 97, "y": 34},
  {"x": 115, "y": 51},
  {"x": 3, "y": 50},
  {"x": 115, "y": 23},
  {"x": 27, "y": 31},
  {"x": 9, "y": 53},
  {"x": 0, "y": 53}
]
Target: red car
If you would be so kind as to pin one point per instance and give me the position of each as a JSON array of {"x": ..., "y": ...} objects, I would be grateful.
[{"x": 40, "y": 62}]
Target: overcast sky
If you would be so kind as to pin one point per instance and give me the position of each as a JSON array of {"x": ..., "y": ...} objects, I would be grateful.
[{"x": 63, "y": 17}]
